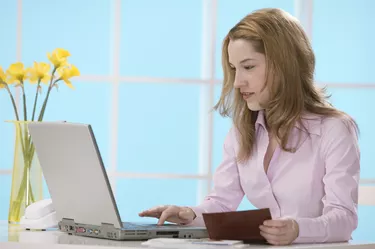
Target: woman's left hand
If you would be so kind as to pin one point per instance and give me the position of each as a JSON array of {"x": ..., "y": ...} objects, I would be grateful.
[{"x": 280, "y": 232}]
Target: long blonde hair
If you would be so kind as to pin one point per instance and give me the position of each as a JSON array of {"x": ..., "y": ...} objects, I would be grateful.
[{"x": 290, "y": 58}]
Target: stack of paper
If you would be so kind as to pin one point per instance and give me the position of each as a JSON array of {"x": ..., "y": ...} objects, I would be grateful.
[{"x": 193, "y": 243}]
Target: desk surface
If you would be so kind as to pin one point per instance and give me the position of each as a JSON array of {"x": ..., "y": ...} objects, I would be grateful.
[{"x": 14, "y": 237}]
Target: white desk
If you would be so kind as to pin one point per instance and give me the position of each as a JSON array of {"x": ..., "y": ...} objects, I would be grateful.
[{"x": 13, "y": 237}]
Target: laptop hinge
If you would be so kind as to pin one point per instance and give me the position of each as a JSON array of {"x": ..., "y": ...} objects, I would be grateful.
[
  {"x": 67, "y": 219},
  {"x": 108, "y": 225}
]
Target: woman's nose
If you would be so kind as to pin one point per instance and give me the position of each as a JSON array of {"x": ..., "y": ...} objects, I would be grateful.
[{"x": 239, "y": 82}]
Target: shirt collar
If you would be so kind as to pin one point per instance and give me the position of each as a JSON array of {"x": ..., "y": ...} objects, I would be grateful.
[
  {"x": 260, "y": 120},
  {"x": 311, "y": 123}
]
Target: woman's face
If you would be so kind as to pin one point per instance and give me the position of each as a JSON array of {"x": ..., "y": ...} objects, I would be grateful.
[{"x": 249, "y": 68}]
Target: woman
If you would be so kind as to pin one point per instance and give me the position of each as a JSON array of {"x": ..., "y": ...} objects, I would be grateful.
[{"x": 289, "y": 150}]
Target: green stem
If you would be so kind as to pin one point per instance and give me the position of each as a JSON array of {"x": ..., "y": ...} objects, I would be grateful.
[
  {"x": 41, "y": 114},
  {"x": 32, "y": 198},
  {"x": 26, "y": 143},
  {"x": 20, "y": 194},
  {"x": 28, "y": 156},
  {"x": 27, "y": 152},
  {"x": 21, "y": 191},
  {"x": 12, "y": 99},
  {"x": 24, "y": 101},
  {"x": 36, "y": 99},
  {"x": 28, "y": 159}
]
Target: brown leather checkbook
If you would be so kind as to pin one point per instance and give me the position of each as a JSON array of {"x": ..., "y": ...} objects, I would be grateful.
[{"x": 237, "y": 225}]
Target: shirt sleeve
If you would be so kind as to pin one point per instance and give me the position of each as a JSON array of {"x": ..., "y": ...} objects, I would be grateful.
[
  {"x": 227, "y": 192},
  {"x": 340, "y": 149}
]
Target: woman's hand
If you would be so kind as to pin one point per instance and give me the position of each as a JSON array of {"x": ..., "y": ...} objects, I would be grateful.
[
  {"x": 170, "y": 213},
  {"x": 280, "y": 232}
]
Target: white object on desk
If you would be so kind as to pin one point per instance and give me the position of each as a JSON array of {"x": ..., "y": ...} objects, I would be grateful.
[
  {"x": 192, "y": 243},
  {"x": 37, "y": 237},
  {"x": 40, "y": 215}
]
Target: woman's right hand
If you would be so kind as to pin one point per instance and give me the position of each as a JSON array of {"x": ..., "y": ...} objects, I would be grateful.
[{"x": 170, "y": 213}]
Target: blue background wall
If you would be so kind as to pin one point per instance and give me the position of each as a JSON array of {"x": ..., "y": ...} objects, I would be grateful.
[{"x": 158, "y": 123}]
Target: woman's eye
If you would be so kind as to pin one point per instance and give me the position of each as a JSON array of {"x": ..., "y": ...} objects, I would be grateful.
[{"x": 248, "y": 67}]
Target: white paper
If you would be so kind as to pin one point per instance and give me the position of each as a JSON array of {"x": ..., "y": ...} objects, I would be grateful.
[{"x": 189, "y": 243}]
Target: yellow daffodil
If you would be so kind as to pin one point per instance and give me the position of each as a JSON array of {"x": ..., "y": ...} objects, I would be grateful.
[
  {"x": 68, "y": 72},
  {"x": 16, "y": 73},
  {"x": 40, "y": 71},
  {"x": 3, "y": 78},
  {"x": 58, "y": 57}
]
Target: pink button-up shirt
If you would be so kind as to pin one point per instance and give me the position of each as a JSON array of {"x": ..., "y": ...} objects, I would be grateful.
[{"x": 317, "y": 185}]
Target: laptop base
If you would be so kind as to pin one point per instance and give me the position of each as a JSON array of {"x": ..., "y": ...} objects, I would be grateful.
[{"x": 137, "y": 232}]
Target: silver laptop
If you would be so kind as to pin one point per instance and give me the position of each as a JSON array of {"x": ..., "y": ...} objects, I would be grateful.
[{"x": 80, "y": 189}]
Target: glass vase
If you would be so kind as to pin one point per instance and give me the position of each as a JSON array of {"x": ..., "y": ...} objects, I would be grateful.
[{"x": 27, "y": 177}]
